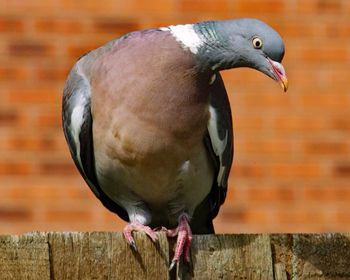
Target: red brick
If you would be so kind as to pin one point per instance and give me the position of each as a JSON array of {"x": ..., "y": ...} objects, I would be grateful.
[
  {"x": 263, "y": 194},
  {"x": 342, "y": 169},
  {"x": 47, "y": 120},
  {"x": 248, "y": 122},
  {"x": 28, "y": 48},
  {"x": 262, "y": 146},
  {"x": 65, "y": 26},
  {"x": 298, "y": 123},
  {"x": 53, "y": 73},
  {"x": 326, "y": 148},
  {"x": 329, "y": 5},
  {"x": 11, "y": 25},
  {"x": 282, "y": 146},
  {"x": 19, "y": 122},
  {"x": 32, "y": 143},
  {"x": 58, "y": 168},
  {"x": 287, "y": 194},
  {"x": 236, "y": 214},
  {"x": 256, "y": 216},
  {"x": 13, "y": 73},
  {"x": 256, "y": 6},
  {"x": 346, "y": 7},
  {"x": 204, "y": 6},
  {"x": 315, "y": 6},
  {"x": 15, "y": 168},
  {"x": 111, "y": 219},
  {"x": 30, "y": 95},
  {"x": 246, "y": 77},
  {"x": 82, "y": 193},
  {"x": 35, "y": 193},
  {"x": 31, "y": 7},
  {"x": 329, "y": 51},
  {"x": 269, "y": 100},
  {"x": 340, "y": 123},
  {"x": 325, "y": 75},
  {"x": 114, "y": 26},
  {"x": 8, "y": 117},
  {"x": 342, "y": 217},
  {"x": 340, "y": 29},
  {"x": 15, "y": 214},
  {"x": 160, "y": 22},
  {"x": 321, "y": 194},
  {"x": 291, "y": 170},
  {"x": 324, "y": 102},
  {"x": 248, "y": 171},
  {"x": 139, "y": 8},
  {"x": 67, "y": 215},
  {"x": 75, "y": 51},
  {"x": 301, "y": 215},
  {"x": 301, "y": 29},
  {"x": 336, "y": 75},
  {"x": 79, "y": 6}
]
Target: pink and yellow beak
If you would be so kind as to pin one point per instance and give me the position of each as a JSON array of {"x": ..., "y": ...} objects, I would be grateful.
[{"x": 279, "y": 74}]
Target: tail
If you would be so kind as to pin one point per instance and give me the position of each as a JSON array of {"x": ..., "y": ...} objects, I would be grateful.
[{"x": 202, "y": 222}]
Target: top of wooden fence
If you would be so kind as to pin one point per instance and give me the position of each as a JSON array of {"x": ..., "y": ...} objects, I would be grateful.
[{"x": 105, "y": 255}]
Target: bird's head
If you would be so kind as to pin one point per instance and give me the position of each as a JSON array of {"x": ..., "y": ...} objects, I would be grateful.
[{"x": 242, "y": 43}]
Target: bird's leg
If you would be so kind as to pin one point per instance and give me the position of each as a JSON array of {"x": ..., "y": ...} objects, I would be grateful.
[
  {"x": 137, "y": 226},
  {"x": 187, "y": 247},
  {"x": 184, "y": 239}
]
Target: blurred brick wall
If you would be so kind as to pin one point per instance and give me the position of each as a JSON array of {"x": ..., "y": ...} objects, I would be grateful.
[{"x": 292, "y": 158}]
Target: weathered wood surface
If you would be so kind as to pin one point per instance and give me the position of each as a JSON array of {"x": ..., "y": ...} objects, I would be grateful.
[{"x": 105, "y": 255}]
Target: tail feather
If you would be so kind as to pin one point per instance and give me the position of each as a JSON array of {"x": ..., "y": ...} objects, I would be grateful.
[{"x": 202, "y": 222}]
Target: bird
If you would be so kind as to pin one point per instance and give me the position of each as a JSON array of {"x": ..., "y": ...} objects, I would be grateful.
[{"x": 148, "y": 121}]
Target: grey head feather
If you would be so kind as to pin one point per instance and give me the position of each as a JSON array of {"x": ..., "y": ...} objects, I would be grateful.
[
  {"x": 228, "y": 44},
  {"x": 247, "y": 29}
]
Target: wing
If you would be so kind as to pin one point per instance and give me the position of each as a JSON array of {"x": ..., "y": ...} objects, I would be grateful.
[
  {"x": 219, "y": 142},
  {"x": 77, "y": 126}
]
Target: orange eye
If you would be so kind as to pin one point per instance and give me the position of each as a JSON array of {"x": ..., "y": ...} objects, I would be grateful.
[{"x": 257, "y": 43}]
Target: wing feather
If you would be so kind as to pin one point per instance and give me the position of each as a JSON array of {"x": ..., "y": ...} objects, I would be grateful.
[
  {"x": 77, "y": 126},
  {"x": 219, "y": 142}
]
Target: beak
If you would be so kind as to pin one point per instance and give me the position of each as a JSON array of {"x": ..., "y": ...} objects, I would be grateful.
[{"x": 279, "y": 74}]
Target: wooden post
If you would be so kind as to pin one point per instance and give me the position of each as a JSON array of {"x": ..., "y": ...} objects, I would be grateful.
[{"x": 105, "y": 255}]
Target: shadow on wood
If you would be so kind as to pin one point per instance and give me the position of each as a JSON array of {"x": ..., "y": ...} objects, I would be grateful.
[{"x": 105, "y": 255}]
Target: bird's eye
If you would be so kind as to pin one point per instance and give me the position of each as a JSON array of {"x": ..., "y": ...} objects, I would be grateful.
[{"x": 257, "y": 43}]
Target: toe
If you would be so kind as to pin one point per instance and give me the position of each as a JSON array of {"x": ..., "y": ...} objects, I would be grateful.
[
  {"x": 133, "y": 245},
  {"x": 151, "y": 234},
  {"x": 172, "y": 265},
  {"x": 187, "y": 252}
]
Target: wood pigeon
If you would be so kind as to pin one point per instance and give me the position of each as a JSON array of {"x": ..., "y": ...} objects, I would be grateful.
[{"x": 148, "y": 121}]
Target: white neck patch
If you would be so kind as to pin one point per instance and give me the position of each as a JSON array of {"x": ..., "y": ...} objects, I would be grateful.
[{"x": 186, "y": 35}]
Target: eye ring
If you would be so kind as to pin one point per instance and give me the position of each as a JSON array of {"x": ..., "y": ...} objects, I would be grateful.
[{"x": 257, "y": 43}]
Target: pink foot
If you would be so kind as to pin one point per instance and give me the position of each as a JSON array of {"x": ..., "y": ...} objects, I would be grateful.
[
  {"x": 136, "y": 226},
  {"x": 184, "y": 239}
]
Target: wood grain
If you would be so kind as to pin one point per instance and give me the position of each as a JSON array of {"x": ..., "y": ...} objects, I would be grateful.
[{"x": 105, "y": 255}]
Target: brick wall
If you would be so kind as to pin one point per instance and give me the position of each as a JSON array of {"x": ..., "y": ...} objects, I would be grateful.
[{"x": 292, "y": 160}]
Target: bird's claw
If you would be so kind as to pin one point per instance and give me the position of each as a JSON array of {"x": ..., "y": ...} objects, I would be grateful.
[
  {"x": 172, "y": 265},
  {"x": 133, "y": 245},
  {"x": 135, "y": 226},
  {"x": 182, "y": 231},
  {"x": 183, "y": 243}
]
